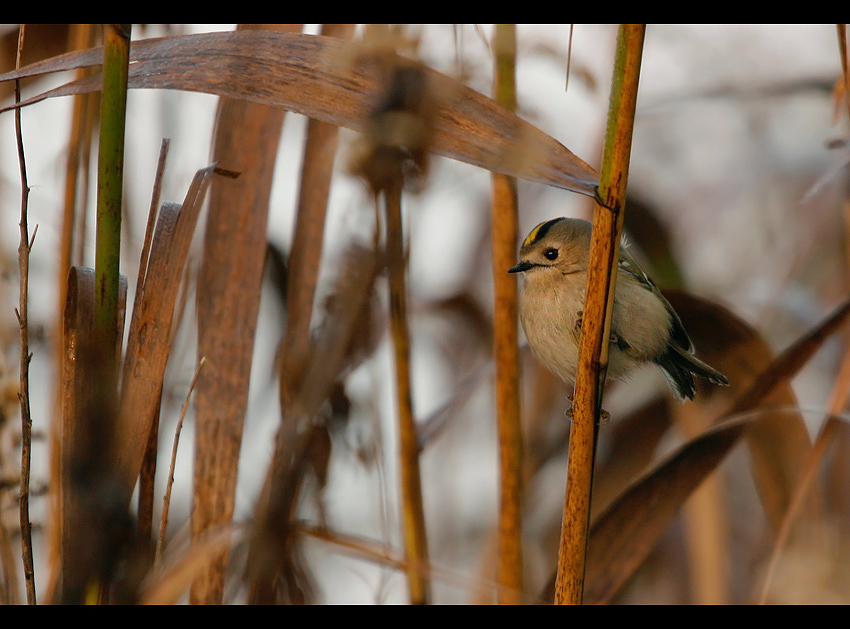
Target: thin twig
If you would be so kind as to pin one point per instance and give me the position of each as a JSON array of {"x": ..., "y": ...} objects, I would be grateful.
[
  {"x": 24, "y": 396},
  {"x": 166, "y": 500},
  {"x": 380, "y": 554}
]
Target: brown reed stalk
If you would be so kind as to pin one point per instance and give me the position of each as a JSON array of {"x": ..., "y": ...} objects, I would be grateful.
[
  {"x": 246, "y": 141},
  {"x": 320, "y": 148},
  {"x": 504, "y": 232},
  {"x": 599, "y": 299},
  {"x": 413, "y": 513},
  {"x": 26, "y": 419}
]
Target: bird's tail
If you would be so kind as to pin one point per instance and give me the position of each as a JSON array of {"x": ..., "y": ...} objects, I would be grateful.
[{"x": 680, "y": 366}]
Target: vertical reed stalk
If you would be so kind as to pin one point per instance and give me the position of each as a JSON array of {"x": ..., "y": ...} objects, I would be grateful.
[
  {"x": 596, "y": 328},
  {"x": 504, "y": 228},
  {"x": 246, "y": 141},
  {"x": 320, "y": 149},
  {"x": 116, "y": 54},
  {"x": 413, "y": 514}
]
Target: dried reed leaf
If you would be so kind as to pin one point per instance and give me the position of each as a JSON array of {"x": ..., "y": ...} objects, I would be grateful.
[
  {"x": 323, "y": 78},
  {"x": 247, "y": 136},
  {"x": 627, "y": 530},
  {"x": 633, "y": 444},
  {"x": 93, "y": 516},
  {"x": 623, "y": 535},
  {"x": 778, "y": 442},
  {"x": 148, "y": 341}
]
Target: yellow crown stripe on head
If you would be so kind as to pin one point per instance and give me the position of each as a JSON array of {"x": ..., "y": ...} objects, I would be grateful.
[
  {"x": 532, "y": 236},
  {"x": 536, "y": 234}
]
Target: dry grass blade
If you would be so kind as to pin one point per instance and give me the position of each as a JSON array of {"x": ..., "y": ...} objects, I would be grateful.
[
  {"x": 379, "y": 553},
  {"x": 778, "y": 443},
  {"x": 95, "y": 522},
  {"x": 148, "y": 342},
  {"x": 166, "y": 500},
  {"x": 626, "y": 532},
  {"x": 318, "y": 77},
  {"x": 621, "y": 547},
  {"x": 148, "y": 471},
  {"x": 247, "y": 136}
]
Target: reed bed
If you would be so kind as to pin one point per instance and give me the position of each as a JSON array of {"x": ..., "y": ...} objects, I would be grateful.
[{"x": 261, "y": 345}]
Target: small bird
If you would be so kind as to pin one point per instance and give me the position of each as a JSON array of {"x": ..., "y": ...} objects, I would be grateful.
[{"x": 644, "y": 326}]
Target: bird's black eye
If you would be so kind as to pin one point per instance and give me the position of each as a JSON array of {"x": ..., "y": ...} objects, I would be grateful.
[{"x": 550, "y": 254}]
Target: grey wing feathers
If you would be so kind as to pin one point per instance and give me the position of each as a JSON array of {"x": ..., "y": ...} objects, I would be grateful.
[
  {"x": 678, "y": 363},
  {"x": 677, "y": 333}
]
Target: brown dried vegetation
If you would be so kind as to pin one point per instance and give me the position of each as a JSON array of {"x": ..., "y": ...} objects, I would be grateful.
[{"x": 208, "y": 270}]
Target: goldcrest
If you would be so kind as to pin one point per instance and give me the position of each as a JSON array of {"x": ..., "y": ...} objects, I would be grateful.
[{"x": 644, "y": 326}]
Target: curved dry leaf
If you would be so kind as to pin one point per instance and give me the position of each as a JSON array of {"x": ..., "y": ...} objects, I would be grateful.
[
  {"x": 623, "y": 536},
  {"x": 728, "y": 343},
  {"x": 246, "y": 140},
  {"x": 148, "y": 340},
  {"x": 633, "y": 443},
  {"x": 778, "y": 442},
  {"x": 331, "y": 80}
]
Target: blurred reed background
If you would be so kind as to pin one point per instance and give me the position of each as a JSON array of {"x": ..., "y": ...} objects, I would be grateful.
[{"x": 737, "y": 205}]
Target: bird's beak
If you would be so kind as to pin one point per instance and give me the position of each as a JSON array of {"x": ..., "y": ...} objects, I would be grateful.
[{"x": 519, "y": 268}]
